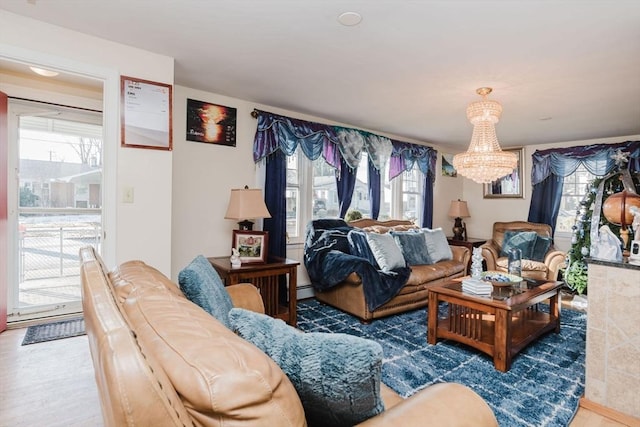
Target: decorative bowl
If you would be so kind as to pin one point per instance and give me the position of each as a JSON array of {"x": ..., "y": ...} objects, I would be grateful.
[{"x": 498, "y": 278}]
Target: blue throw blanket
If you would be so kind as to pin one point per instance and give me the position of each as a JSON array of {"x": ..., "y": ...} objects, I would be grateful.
[{"x": 328, "y": 259}]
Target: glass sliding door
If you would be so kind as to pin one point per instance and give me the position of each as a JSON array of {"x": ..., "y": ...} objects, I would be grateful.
[{"x": 58, "y": 198}]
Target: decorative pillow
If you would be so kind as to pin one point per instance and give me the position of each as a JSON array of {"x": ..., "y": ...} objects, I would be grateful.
[
  {"x": 385, "y": 250},
  {"x": 359, "y": 246},
  {"x": 201, "y": 284},
  {"x": 540, "y": 248},
  {"x": 337, "y": 376},
  {"x": 523, "y": 240},
  {"x": 437, "y": 245},
  {"x": 413, "y": 246}
]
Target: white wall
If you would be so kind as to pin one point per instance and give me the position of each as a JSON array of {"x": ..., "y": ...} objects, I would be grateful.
[
  {"x": 204, "y": 174},
  {"x": 142, "y": 230},
  {"x": 484, "y": 212}
]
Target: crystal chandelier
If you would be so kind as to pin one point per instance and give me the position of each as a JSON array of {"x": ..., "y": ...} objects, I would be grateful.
[{"x": 484, "y": 161}]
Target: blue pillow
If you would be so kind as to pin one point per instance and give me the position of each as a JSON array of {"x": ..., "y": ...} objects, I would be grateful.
[
  {"x": 337, "y": 376},
  {"x": 202, "y": 285},
  {"x": 540, "y": 248},
  {"x": 523, "y": 240},
  {"x": 437, "y": 245},
  {"x": 386, "y": 251},
  {"x": 413, "y": 246}
]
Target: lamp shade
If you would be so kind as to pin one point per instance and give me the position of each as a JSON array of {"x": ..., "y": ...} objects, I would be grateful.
[
  {"x": 459, "y": 209},
  {"x": 246, "y": 203}
]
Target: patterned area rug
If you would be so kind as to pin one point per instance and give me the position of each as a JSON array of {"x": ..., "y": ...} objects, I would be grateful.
[
  {"x": 542, "y": 388},
  {"x": 54, "y": 331}
]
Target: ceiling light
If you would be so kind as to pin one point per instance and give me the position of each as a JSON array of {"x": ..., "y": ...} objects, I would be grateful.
[
  {"x": 484, "y": 161},
  {"x": 43, "y": 72},
  {"x": 350, "y": 19}
]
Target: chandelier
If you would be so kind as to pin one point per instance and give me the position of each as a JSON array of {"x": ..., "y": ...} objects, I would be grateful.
[{"x": 484, "y": 161}]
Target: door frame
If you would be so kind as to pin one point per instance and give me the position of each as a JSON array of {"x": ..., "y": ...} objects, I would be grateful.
[{"x": 110, "y": 103}]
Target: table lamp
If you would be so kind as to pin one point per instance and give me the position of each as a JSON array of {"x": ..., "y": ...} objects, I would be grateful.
[
  {"x": 459, "y": 210},
  {"x": 244, "y": 204}
]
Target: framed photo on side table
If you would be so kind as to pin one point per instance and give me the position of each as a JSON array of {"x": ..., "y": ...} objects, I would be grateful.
[
  {"x": 251, "y": 245},
  {"x": 509, "y": 186}
]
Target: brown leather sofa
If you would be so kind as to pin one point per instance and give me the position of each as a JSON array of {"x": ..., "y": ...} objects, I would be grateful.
[
  {"x": 547, "y": 270},
  {"x": 349, "y": 296},
  {"x": 161, "y": 360}
]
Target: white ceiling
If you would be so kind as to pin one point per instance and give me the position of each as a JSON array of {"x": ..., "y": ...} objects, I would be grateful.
[{"x": 564, "y": 70}]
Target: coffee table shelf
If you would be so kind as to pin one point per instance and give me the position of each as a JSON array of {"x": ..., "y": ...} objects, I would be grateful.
[{"x": 498, "y": 325}]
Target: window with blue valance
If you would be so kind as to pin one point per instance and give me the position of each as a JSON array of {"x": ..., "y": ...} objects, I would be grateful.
[
  {"x": 337, "y": 143},
  {"x": 342, "y": 149},
  {"x": 549, "y": 167}
]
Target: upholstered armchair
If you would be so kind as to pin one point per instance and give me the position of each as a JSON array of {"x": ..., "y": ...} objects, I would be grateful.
[{"x": 540, "y": 258}]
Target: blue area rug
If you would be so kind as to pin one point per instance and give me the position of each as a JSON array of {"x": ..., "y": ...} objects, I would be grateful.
[{"x": 542, "y": 388}]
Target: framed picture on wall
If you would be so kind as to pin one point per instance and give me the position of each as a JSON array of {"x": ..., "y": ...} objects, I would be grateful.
[
  {"x": 251, "y": 245},
  {"x": 447, "y": 165},
  {"x": 511, "y": 185},
  {"x": 211, "y": 123},
  {"x": 145, "y": 114}
]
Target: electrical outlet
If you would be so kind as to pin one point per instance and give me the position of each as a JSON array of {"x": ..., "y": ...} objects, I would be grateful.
[{"x": 127, "y": 195}]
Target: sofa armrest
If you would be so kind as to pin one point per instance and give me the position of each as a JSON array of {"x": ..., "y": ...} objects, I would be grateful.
[
  {"x": 445, "y": 404},
  {"x": 490, "y": 253},
  {"x": 247, "y": 296},
  {"x": 555, "y": 260},
  {"x": 461, "y": 253}
]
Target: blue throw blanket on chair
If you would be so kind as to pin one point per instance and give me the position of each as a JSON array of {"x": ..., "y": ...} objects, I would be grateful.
[{"x": 328, "y": 261}]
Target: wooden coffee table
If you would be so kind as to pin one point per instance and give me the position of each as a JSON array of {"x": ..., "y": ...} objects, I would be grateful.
[{"x": 501, "y": 324}]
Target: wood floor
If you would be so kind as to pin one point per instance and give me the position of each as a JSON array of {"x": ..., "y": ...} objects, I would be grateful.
[{"x": 51, "y": 385}]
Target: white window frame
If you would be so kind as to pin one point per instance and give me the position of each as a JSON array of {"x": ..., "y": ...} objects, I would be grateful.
[
  {"x": 580, "y": 196},
  {"x": 305, "y": 199}
]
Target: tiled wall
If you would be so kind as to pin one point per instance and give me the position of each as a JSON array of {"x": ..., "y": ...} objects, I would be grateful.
[{"x": 613, "y": 338}]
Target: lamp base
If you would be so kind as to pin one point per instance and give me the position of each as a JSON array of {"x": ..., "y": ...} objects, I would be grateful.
[
  {"x": 458, "y": 229},
  {"x": 245, "y": 225}
]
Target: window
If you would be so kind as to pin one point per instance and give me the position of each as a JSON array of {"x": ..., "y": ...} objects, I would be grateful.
[
  {"x": 412, "y": 182},
  {"x": 312, "y": 194},
  {"x": 573, "y": 191}
]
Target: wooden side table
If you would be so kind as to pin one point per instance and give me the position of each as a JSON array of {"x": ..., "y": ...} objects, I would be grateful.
[
  {"x": 265, "y": 277},
  {"x": 470, "y": 243}
]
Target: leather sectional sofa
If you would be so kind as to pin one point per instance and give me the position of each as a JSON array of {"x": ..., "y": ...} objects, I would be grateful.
[{"x": 161, "y": 360}]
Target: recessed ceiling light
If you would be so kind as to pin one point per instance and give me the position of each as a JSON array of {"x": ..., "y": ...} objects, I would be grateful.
[
  {"x": 350, "y": 19},
  {"x": 43, "y": 72}
]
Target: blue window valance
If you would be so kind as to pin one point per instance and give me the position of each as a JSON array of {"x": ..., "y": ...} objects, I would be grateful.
[
  {"x": 336, "y": 143},
  {"x": 596, "y": 158}
]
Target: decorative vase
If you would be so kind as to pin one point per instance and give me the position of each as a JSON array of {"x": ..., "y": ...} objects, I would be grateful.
[{"x": 515, "y": 262}]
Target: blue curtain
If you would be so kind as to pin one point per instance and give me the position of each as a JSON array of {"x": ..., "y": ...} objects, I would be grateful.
[
  {"x": 545, "y": 201},
  {"x": 549, "y": 167},
  {"x": 346, "y": 182},
  {"x": 341, "y": 147},
  {"x": 427, "y": 201},
  {"x": 596, "y": 158},
  {"x": 274, "y": 194},
  {"x": 374, "y": 190}
]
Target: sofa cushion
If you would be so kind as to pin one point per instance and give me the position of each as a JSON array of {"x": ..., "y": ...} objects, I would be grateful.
[
  {"x": 337, "y": 376},
  {"x": 437, "y": 245},
  {"x": 523, "y": 240},
  {"x": 540, "y": 248},
  {"x": 385, "y": 250},
  {"x": 200, "y": 282},
  {"x": 413, "y": 246},
  {"x": 221, "y": 378}
]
